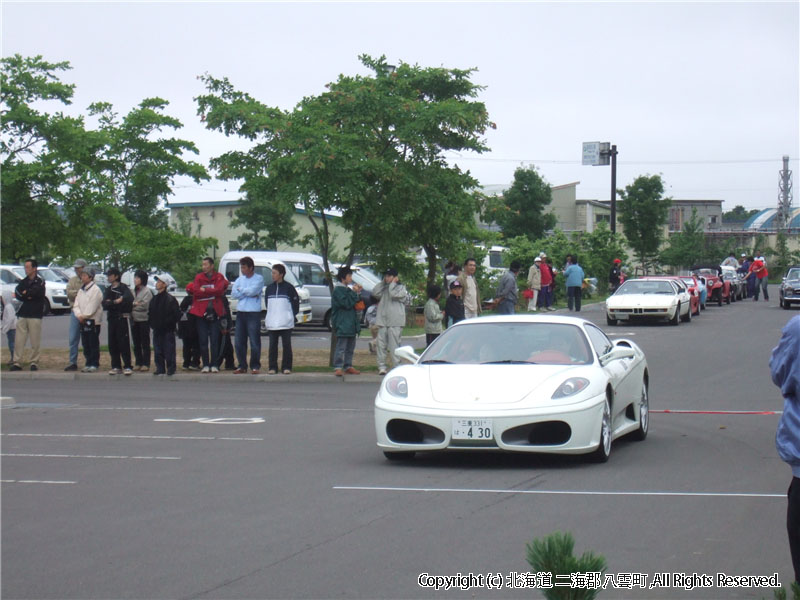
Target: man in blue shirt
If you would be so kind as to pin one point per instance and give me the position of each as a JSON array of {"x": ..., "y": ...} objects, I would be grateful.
[
  {"x": 785, "y": 368},
  {"x": 247, "y": 290},
  {"x": 574, "y": 275}
]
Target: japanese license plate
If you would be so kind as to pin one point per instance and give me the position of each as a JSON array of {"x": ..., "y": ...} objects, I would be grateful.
[{"x": 472, "y": 429}]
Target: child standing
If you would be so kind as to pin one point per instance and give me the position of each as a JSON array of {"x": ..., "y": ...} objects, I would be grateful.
[
  {"x": 454, "y": 307},
  {"x": 9, "y": 321},
  {"x": 433, "y": 314}
]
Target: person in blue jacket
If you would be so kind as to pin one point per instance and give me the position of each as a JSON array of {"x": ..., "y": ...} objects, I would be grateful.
[
  {"x": 247, "y": 289},
  {"x": 574, "y": 275},
  {"x": 785, "y": 368}
]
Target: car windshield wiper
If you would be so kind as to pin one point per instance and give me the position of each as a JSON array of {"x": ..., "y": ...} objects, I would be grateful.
[
  {"x": 508, "y": 361},
  {"x": 438, "y": 361}
]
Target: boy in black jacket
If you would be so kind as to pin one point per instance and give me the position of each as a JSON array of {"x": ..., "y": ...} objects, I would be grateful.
[
  {"x": 118, "y": 302},
  {"x": 163, "y": 316},
  {"x": 454, "y": 307}
]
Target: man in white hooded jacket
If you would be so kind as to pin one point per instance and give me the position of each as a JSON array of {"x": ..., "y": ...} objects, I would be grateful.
[
  {"x": 88, "y": 309},
  {"x": 391, "y": 316}
]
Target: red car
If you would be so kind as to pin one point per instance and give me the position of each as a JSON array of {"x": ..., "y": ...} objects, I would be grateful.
[
  {"x": 696, "y": 286},
  {"x": 719, "y": 290},
  {"x": 694, "y": 295}
]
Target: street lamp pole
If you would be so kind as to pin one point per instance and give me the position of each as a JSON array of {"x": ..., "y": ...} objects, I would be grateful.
[{"x": 613, "y": 154}]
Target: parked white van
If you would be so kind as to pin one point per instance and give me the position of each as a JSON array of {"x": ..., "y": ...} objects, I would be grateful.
[
  {"x": 264, "y": 261},
  {"x": 309, "y": 270}
]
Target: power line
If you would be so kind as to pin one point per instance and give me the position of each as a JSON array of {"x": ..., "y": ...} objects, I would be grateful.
[{"x": 638, "y": 162}]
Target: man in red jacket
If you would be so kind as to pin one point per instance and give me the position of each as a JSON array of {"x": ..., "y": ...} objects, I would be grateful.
[{"x": 209, "y": 288}]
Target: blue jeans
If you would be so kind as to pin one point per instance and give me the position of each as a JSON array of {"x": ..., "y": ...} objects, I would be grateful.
[
  {"x": 574, "y": 295},
  {"x": 11, "y": 336},
  {"x": 74, "y": 338},
  {"x": 248, "y": 327},
  {"x": 343, "y": 357},
  {"x": 209, "y": 331},
  {"x": 164, "y": 350},
  {"x": 505, "y": 307}
]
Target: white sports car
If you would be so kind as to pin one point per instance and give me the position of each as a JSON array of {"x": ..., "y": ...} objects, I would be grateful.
[
  {"x": 649, "y": 299},
  {"x": 521, "y": 383}
]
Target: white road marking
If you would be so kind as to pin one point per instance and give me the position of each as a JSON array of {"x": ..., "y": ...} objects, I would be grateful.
[
  {"x": 135, "y": 437},
  {"x": 558, "y": 492},
  {"x": 215, "y": 421},
  {"x": 225, "y": 408},
  {"x": 92, "y": 456},
  {"x": 34, "y": 481}
]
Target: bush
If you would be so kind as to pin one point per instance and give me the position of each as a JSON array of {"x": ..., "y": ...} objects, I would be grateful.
[{"x": 553, "y": 554}]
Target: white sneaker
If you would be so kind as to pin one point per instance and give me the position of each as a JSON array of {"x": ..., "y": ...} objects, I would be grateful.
[
  {"x": 382, "y": 372},
  {"x": 128, "y": 372},
  {"x": 214, "y": 370},
  {"x": 205, "y": 370},
  {"x": 115, "y": 372}
]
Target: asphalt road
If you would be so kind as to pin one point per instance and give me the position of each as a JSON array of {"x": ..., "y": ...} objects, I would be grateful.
[{"x": 131, "y": 490}]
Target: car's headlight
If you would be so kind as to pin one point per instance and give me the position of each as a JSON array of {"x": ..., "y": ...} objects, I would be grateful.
[
  {"x": 398, "y": 386},
  {"x": 571, "y": 386}
]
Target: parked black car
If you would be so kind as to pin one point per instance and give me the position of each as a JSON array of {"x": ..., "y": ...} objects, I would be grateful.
[{"x": 790, "y": 287}]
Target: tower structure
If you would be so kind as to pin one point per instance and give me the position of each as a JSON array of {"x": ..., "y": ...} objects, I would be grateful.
[{"x": 785, "y": 196}]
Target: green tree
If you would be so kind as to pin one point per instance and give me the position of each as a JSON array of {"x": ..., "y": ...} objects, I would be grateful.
[
  {"x": 739, "y": 214},
  {"x": 643, "y": 213},
  {"x": 688, "y": 247},
  {"x": 370, "y": 147},
  {"x": 783, "y": 257},
  {"x": 135, "y": 173},
  {"x": 42, "y": 153},
  {"x": 269, "y": 223},
  {"x": 598, "y": 250},
  {"x": 520, "y": 210}
]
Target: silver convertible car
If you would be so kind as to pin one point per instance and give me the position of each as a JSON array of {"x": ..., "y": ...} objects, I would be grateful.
[{"x": 519, "y": 383}]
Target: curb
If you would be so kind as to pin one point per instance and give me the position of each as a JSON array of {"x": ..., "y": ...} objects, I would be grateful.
[{"x": 328, "y": 377}]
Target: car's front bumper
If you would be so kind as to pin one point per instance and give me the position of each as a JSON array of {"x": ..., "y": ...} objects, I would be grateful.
[
  {"x": 630, "y": 313},
  {"x": 567, "y": 429}
]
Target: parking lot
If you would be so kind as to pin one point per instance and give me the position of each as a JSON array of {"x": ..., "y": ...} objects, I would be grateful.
[{"x": 185, "y": 489}]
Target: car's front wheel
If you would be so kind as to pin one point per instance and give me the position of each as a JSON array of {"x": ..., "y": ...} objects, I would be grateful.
[
  {"x": 644, "y": 415},
  {"x": 676, "y": 320},
  {"x": 688, "y": 317},
  {"x": 603, "y": 451},
  {"x": 610, "y": 321},
  {"x": 47, "y": 308},
  {"x": 399, "y": 455},
  {"x": 784, "y": 304}
]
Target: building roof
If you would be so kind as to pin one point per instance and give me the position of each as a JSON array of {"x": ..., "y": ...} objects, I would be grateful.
[{"x": 765, "y": 220}]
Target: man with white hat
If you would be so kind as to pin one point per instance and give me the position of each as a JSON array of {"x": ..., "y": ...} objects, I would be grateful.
[
  {"x": 534, "y": 282},
  {"x": 73, "y": 286}
]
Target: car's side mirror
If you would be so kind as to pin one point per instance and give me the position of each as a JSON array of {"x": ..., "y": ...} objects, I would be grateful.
[
  {"x": 407, "y": 354},
  {"x": 616, "y": 354}
]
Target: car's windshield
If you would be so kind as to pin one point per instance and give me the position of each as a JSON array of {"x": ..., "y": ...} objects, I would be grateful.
[
  {"x": 708, "y": 272},
  {"x": 369, "y": 274},
  {"x": 645, "y": 287},
  {"x": 793, "y": 274},
  {"x": 49, "y": 275},
  {"x": 688, "y": 281},
  {"x": 510, "y": 343}
]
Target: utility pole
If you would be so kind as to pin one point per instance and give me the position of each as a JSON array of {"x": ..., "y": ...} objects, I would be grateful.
[
  {"x": 600, "y": 154},
  {"x": 785, "y": 195}
]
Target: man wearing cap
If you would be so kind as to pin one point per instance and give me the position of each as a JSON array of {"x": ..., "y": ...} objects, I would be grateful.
[
  {"x": 535, "y": 283},
  {"x": 73, "y": 286},
  {"x": 471, "y": 294},
  {"x": 391, "y": 316},
  {"x": 118, "y": 302},
  {"x": 615, "y": 275},
  {"x": 88, "y": 309},
  {"x": 163, "y": 315},
  {"x": 454, "y": 307}
]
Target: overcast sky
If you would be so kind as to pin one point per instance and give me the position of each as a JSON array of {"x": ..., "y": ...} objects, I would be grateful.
[{"x": 705, "y": 94}]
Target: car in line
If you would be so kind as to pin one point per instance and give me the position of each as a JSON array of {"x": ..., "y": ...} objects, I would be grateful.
[
  {"x": 738, "y": 285},
  {"x": 649, "y": 299},
  {"x": 789, "y": 292},
  {"x": 522, "y": 383},
  {"x": 694, "y": 297},
  {"x": 719, "y": 290}
]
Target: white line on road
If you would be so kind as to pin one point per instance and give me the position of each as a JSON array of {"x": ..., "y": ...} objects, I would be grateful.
[
  {"x": 134, "y": 437},
  {"x": 225, "y": 408},
  {"x": 558, "y": 492},
  {"x": 34, "y": 481},
  {"x": 93, "y": 456}
]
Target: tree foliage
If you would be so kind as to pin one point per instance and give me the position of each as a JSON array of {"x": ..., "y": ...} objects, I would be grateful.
[
  {"x": 643, "y": 213},
  {"x": 370, "y": 148},
  {"x": 739, "y": 214},
  {"x": 687, "y": 247},
  {"x": 520, "y": 210}
]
